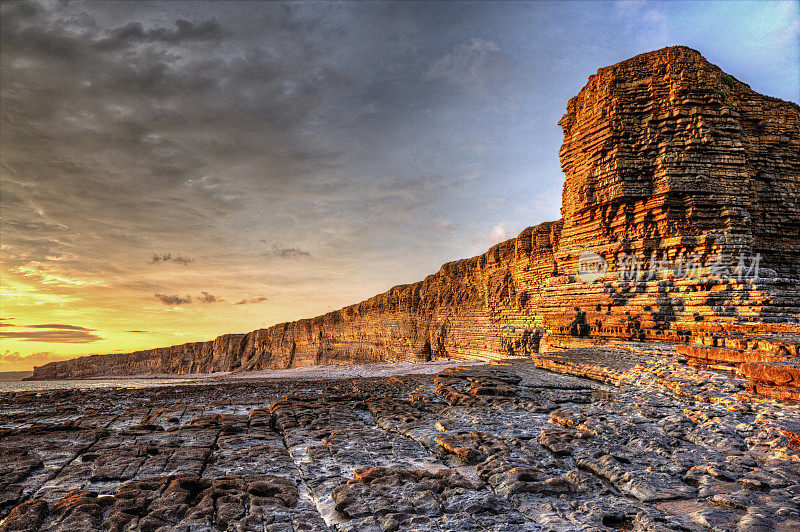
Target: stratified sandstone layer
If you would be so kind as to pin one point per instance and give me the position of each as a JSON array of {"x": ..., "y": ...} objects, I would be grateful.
[
  {"x": 506, "y": 447},
  {"x": 665, "y": 156}
]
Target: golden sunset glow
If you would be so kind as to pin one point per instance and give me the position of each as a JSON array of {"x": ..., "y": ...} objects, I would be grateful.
[{"x": 52, "y": 315}]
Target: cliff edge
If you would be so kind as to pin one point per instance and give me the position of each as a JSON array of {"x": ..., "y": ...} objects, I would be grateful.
[{"x": 679, "y": 224}]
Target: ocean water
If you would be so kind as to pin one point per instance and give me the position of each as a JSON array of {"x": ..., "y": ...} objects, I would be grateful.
[
  {"x": 11, "y": 381},
  {"x": 6, "y": 376}
]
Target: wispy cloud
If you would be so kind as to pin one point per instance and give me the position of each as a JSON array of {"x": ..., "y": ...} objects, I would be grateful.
[
  {"x": 446, "y": 227},
  {"x": 58, "y": 326},
  {"x": 205, "y": 297},
  {"x": 173, "y": 300},
  {"x": 499, "y": 233},
  {"x": 14, "y": 361},
  {"x": 169, "y": 257},
  {"x": 251, "y": 300},
  {"x": 218, "y": 190},
  {"x": 52, "y": 274},
  {"x": 646, "y": 20},
  {"x": 287, "y": 252},
  {"x": 476, "y": 66},
  {"x": 49, "y": 332},
  {"x": 60, "y": 335}
]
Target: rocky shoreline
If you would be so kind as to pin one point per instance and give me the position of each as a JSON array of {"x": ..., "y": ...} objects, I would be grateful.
[{"x": 622, "y": 437}]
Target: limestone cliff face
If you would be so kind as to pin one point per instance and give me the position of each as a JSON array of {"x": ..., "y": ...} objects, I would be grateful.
[
  {"x": 665, "y": 152},
  {"x": 664, "y": 155}
]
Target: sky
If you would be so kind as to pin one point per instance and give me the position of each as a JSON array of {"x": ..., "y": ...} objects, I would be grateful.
[{"x": 173, "y": 171}]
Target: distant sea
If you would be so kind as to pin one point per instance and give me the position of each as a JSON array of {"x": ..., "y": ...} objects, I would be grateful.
[
  {"x": 7, "y": 376},
  {"x": 11, "y": 381}
]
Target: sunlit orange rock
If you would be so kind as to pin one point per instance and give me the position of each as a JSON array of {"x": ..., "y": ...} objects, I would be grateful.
[{"x": 665, "y": 157}]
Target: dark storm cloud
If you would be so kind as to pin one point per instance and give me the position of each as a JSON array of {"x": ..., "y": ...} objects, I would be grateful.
[
  {"x": 164, "y": 112},
  {"x": 173, "y": 300},
  {"x": 184, "y": 31},
  {"x": 119, "y": 134},
  {"x": 169, "y": 257},
  {"x": 169, "y": 129}
]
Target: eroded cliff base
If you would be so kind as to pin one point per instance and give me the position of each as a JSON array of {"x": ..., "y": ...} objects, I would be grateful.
[{"x": 652, "y": 440}]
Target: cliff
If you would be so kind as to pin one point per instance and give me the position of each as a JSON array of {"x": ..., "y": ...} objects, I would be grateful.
[{"x": 682, "y": 188}]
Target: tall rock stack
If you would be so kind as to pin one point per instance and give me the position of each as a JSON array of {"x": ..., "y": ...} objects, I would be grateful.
[
  {"x": 665, "y": 152},
  {"x": 679, "y": 179},
  {"x": 669, "y": 159}
]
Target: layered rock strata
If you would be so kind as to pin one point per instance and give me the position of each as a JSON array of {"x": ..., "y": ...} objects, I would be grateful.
[{"x": 682, "y": 184}]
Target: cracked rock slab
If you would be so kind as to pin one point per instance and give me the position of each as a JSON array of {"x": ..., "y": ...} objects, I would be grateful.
[{"x": 496, "y": 447}]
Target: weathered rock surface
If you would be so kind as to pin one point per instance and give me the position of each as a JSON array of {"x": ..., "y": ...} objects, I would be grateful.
[
  {"x": 668, "y": 446},
  {"x": 665, "y": 157}
]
